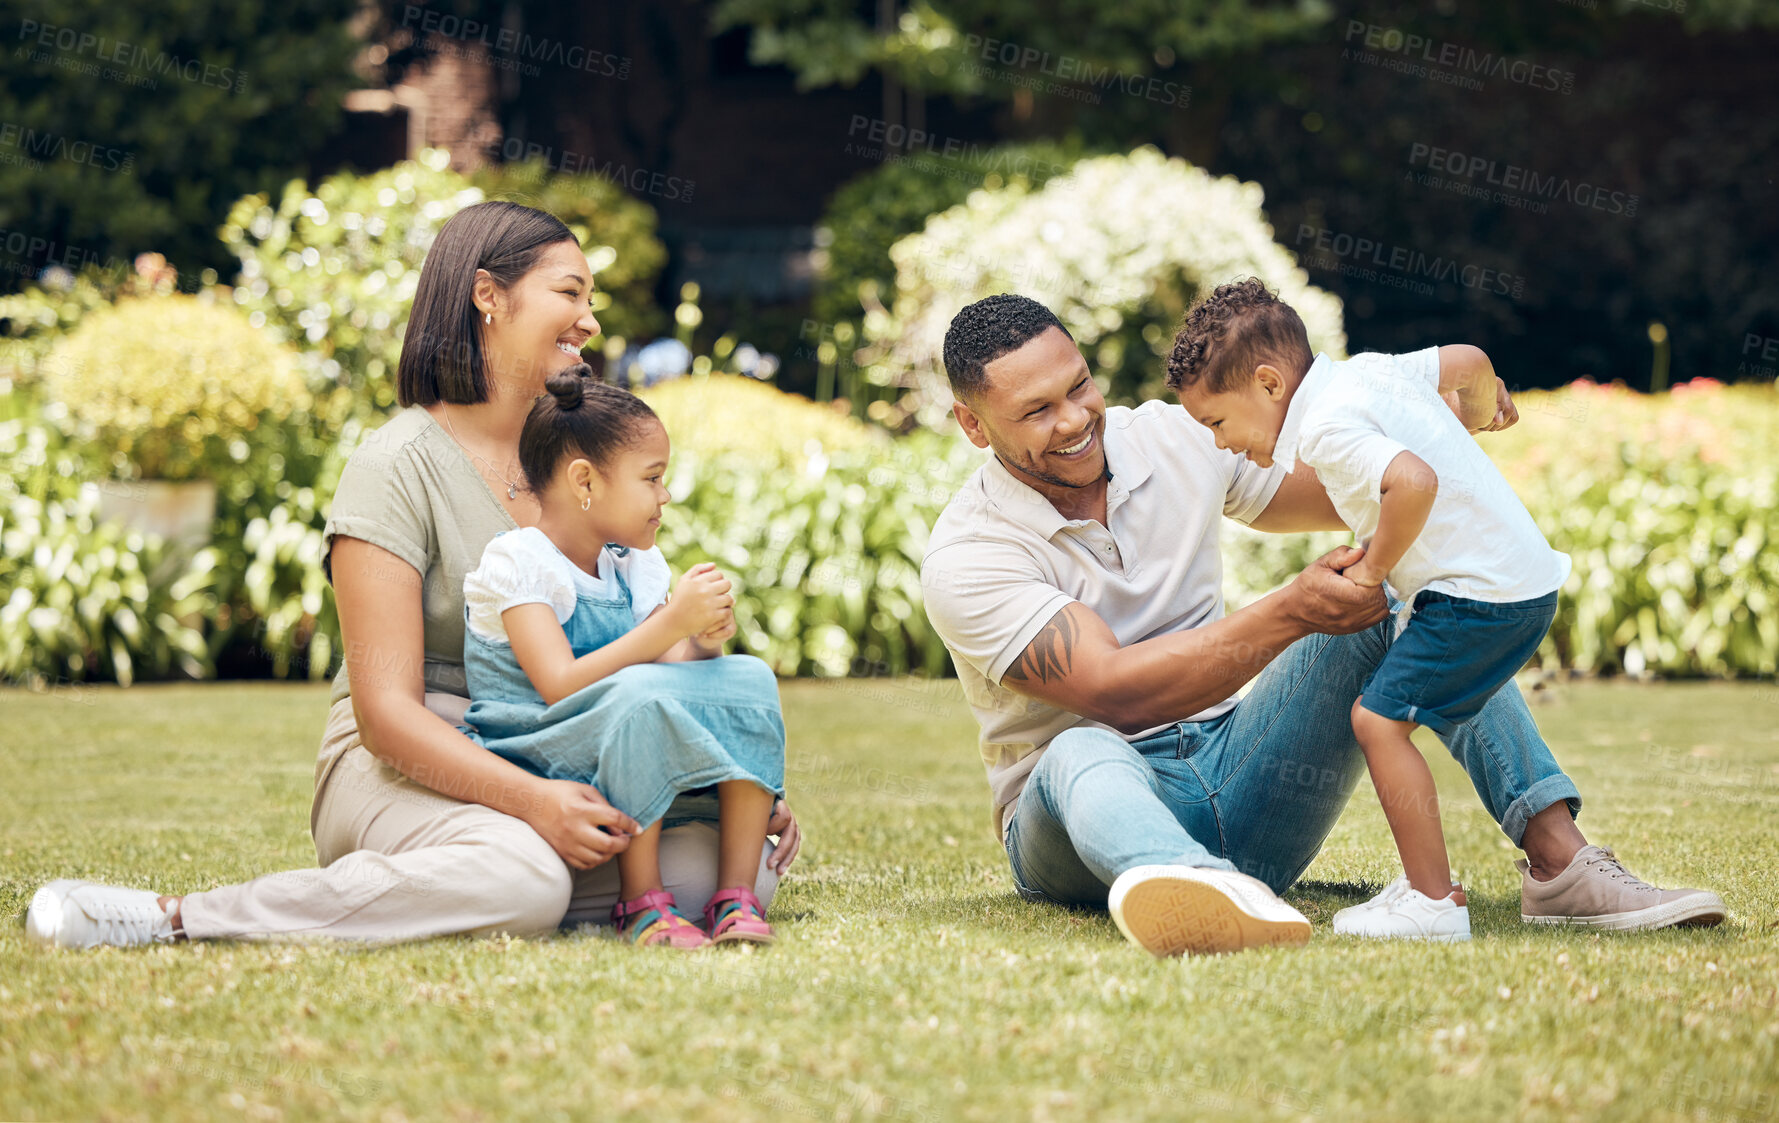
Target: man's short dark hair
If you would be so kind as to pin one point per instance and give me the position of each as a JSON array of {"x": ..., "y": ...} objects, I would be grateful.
[
  {"x": 1238, "y": 327},
  {"x": 993, "y": 326}
]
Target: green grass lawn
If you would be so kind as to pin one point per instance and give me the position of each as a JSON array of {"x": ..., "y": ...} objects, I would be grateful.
[{"x": 908, "y": 982}]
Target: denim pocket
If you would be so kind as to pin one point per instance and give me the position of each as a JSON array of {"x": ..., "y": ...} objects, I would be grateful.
[{"x": 1191, "y": 738}]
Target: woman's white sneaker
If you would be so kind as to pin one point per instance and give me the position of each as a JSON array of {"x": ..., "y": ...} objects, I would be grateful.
[
  {"x": 1401, "y": 912},
  {"x": 1167, "y": 910},
  {"x": 81, "y": 914}
]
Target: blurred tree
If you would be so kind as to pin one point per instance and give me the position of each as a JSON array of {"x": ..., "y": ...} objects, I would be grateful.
[
  {"x": 130, "y": 128},
  {"x": 944, "y": 46}
]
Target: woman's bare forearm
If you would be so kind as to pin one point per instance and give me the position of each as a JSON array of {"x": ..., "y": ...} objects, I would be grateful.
[{"x": 402, "y": 733}]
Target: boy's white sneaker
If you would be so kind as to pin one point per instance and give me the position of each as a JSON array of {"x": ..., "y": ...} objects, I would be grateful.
[
  {"x": 1167, "y": 910},
  {"x": 1401, "y": 912},
  {"x": 81, "y": 914}
]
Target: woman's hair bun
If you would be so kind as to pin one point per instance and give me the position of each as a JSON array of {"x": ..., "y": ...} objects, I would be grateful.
[{"x": 570, "y": 386}]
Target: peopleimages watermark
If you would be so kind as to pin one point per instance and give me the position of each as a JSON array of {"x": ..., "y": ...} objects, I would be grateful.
[
  {"x": 640, "y": 181},
  {"x": 1522, "y": 188},
  {"x": 35, "y": 147},
  {"x": 894, "y": 139},
  {"x": 527, "y": 50},
  {"x": 1398, "y": 266},
  {"x": 1065, "y": 75},
  {"x": 1760, "y": 356},
  {"x": 1391, "y": 48},
  {"x": 109, "y": 54},
  {"x": 30, "y": 253}
]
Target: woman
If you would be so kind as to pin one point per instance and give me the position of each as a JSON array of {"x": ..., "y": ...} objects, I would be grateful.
[{"x": 420, "y": 831}]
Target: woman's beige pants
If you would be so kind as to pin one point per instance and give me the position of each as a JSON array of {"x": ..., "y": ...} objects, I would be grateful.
[{"x": 402, "y": 862}]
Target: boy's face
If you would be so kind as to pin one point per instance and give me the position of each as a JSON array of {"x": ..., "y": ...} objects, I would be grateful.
[{"x": 1246, "y": 420}]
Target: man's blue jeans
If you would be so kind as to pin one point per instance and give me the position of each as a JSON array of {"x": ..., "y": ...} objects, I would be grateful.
[{"x": 1255, "y": 790}]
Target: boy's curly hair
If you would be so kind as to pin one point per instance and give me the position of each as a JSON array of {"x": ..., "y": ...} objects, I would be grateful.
[{"x": 1232, "y": 331}]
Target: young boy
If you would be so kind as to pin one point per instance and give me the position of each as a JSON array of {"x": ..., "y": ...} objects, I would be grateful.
[{"x": 1440, "y": 528}]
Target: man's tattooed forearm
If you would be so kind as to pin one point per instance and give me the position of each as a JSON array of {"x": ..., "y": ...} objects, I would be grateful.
[{"x": 1050, "y": 655}]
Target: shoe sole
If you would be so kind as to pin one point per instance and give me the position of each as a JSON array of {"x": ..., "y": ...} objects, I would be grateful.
[
  {"x": 1704, "y": 910},
  {"x": 1433, "y": 938},
  {"x": 50, "y": 897},
  {"x": 1166, "y": 913}
]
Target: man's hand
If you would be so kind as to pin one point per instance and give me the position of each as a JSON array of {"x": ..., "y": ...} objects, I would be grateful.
[{"x": 1324, "y": 600}]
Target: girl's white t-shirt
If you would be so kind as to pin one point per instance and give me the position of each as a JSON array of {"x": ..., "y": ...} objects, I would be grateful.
[{"x": 524, "y": 567}]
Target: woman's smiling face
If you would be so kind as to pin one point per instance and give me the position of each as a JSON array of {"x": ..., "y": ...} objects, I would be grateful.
[{"x": 541, "y": 323}]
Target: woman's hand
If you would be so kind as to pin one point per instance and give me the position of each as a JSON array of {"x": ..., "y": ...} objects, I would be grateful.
[
  {"x": 578, "y": 823},
  {"x": 790, "y": 838}
]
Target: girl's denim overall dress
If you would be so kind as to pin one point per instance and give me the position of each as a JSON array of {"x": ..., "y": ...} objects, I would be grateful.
[{"x": 641, "y": 736}]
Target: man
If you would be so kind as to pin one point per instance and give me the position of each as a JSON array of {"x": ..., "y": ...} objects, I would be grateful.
[{"x": 1076, "y": 581}]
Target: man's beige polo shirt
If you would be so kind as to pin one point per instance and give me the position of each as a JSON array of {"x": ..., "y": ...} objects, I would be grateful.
[{"x": 1002, "y": 562}]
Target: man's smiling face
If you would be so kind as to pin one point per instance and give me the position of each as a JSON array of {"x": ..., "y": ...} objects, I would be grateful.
[{"x": 1041, "y": 413}]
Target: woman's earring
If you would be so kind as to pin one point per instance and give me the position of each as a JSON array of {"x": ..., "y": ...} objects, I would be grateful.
[
  {"x": 586, "y": 502},
  {"x": 487, "y": 317}
]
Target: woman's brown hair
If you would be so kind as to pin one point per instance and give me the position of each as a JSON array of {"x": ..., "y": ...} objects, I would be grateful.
[{"x": 441, "y": 357}]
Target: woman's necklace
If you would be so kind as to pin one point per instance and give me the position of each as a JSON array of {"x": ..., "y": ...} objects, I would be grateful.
[{"x": 512, "y": 486}]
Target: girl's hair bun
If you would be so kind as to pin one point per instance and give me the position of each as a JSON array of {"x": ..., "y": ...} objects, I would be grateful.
[{"x": 570, "y": 386}]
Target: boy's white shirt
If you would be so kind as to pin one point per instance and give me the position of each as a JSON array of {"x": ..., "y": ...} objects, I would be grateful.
[
  {"x": 524, "y": 567},
  {"x": 1349, "y": 419}
]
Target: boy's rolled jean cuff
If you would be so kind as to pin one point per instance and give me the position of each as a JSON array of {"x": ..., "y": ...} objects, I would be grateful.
[
  {"x": 1535, "y": 799},
  {"x": 1397, "y": 710}
]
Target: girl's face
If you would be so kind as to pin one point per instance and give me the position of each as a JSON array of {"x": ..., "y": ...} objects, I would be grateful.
[
  {"x": 541, "y": 323},
  {"x": 629, "y": 493}
]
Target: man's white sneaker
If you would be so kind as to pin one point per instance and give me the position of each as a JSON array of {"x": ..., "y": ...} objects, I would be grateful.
[
  {"x": 1167, "y": 910},
  {"x": 1401, "y": 912},
  {"x": 80, "y": 914}
]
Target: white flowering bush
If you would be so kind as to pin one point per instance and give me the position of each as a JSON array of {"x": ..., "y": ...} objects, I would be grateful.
[{"x": 1118, "y": 249}]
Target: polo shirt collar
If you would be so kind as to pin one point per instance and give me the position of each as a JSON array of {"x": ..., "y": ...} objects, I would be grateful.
[
  {"x": 1315, "y": 380},
  {"x": 1025, "y": 504}
]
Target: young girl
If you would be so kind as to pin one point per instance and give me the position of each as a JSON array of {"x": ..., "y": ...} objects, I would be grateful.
[{"x": 581, "y": 668}]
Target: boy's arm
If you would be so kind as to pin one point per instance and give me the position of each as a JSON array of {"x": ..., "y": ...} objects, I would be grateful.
[
  {"x": 548, "y": 661},
  {"x": 1469, "y": 385},
  {"x": 1407, "y": 489}
]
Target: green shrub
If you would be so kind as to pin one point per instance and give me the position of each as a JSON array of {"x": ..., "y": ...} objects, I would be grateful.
[
  {"x": 1668, "y": 506},
  {"x": 820, "y": 520},
  {"x": 335, "y": 269},
  {"x": 723, "y": 414},
  {"x": 90, "y": 600},
  {"x": 35, "y": 318},
  {"x": 175, "y": 387},
  {"x": 1118, "y": 249},
  {"x": 875, "y": 211}
]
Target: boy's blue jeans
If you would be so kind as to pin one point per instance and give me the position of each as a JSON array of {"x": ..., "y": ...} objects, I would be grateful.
[{"x": 1255, "y": 790}]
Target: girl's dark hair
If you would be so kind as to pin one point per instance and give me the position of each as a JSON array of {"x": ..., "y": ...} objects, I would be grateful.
[
  {"x": 578, "y": 416},
  {"x": 441, "y": 356}
]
